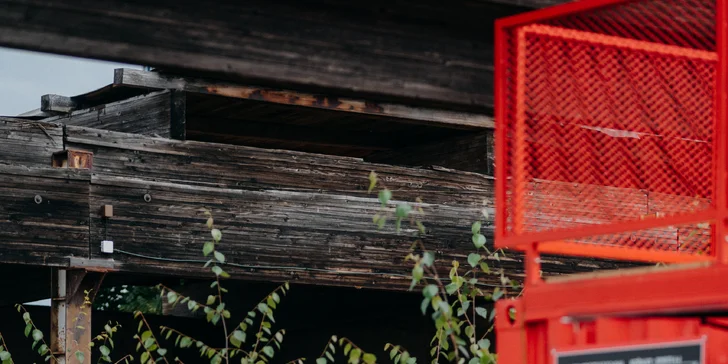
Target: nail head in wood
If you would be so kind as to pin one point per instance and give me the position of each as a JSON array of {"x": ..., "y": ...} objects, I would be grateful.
[{"x": 107, "y": 211}]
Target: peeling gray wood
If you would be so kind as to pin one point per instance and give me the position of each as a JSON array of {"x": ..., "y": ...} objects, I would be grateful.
[
  {"x": 57, "y": 103},
  {"x": 29, "y": 143},
  {"x": 148, "y": 114}
]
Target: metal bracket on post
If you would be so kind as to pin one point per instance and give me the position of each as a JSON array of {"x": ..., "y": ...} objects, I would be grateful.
[{"x": 73, "y": 292}]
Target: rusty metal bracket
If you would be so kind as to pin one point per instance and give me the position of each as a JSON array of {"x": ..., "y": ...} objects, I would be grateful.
[{"x": 71, "y": 158}]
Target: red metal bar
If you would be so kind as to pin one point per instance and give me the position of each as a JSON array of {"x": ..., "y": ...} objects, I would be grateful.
[
  {"x": 606, "y": 229},
  {"x": 500, "y": 130},
  {"x": 653, "y": 293},
  {"x": 620, "y": 253},
  {"x": 720, "y": 130},
  {"x": 557, "y": 11}
]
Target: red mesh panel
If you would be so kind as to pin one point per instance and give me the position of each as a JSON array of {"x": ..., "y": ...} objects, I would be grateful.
[{"x": 609, "y": 120}]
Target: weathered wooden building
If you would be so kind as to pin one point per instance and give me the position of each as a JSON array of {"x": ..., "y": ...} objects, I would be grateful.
[{"x": 270, "y": 114}]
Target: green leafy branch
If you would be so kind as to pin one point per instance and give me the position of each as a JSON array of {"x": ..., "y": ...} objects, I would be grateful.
[
  {"x": 401, "y": 212},
  {"x": 354, "y": 354},
  {"x": 105, "y": 338},
  {"x": 399, "y": 355},
  {"x": 5, "y": 356},
  {"x": 183, "y": 341},
  {"x": 148, "y": 343},
  {"x": 38, "y": 339}
]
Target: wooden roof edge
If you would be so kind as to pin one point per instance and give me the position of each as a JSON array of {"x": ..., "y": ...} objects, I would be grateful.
[{"x": 125, "y": 77}]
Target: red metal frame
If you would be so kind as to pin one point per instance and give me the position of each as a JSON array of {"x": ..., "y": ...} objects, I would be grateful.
[{"x": 620, "y": 308}]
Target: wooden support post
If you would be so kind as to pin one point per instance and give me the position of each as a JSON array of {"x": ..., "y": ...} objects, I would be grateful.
[
  {"x": 178, "y": 115},
  {"x": 72, "y": 295}
]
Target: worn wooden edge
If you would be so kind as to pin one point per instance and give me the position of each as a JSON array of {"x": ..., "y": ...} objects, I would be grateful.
[
  {"x": 130, "y": 101},
  {"x": 440, "y": 117},
  {"x": 625, "y": 272},
  {"x": 57, "y": 103}
]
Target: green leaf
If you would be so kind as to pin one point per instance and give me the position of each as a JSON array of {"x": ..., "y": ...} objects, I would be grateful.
[
  {"x": 263, "y": 308},
  {"x": 104, "y": 350},
  {"x": 80, "y": 356},
  {"x": 28, "y": 329},
  {"x": 475, "y": 228},
  {"x": 452, "y": 288},
  {"x": 482, "y": 312},
  {"x": 146, "y": 335},
  {"x": 384, "y": 196},
  {"x": 209, "y": 222},
  {"x": 484, "y": 344},
  {"x": 145, "y": 357},
  {"x": 372, "y": 181},
  {"x": 208, "y": 248},
  {"x": 268, "y": 351},
  {"x": 424, "y": 304},
  {"x": 473, "y": 259},
  {"x": 429, "y": 291},
  {"x": 185, "y": 342},
  {"x": 216, "y": 234},
  {"x": 239, "y": 335},
  {"x": 478, "y": 240},
  {"x": 402, "y": 210},
  {"x": 369, "y": 358},
  {"x": 217, "y": 270},
  {"x": 329, "y": 356},
  {"x": 354, "y": 356},
  {"x": 162, "y": 352},
  {"x": 219, "y": 256},
  {"x": 428, "y": 259},
  {"x": 484, "y": 267},
  {"x": 321, "y": 361},
  {"x": 347, "y": 348},
  {"x": 497, "y": 293},
  {"x": 26, "y": 317},
  {"x": 171, "y": 297},
  {"x": 37, "y": 335},
  {"x": 4, "y": 355}
]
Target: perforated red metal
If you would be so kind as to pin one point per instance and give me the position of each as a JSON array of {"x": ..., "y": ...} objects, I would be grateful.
[{"x": 606, "y": 130}]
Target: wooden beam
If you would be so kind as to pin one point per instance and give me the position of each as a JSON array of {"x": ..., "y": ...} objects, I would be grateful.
[
  {"x": 155, "y": 80},
  {"x": 57, "y": 103},
  {"x": 178, "y": 115},
  {"x": 149, "y": 114}
]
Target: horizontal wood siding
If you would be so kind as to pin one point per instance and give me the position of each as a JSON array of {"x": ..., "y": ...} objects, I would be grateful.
[
  {"x": 29, "y": 143},
  {"x": 49, "y": 228},
  {"x": 302, "y": 216},
  {"x": 149, "y": 114}
]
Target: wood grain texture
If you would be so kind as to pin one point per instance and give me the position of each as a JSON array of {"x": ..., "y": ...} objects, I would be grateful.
[
  {"x": 149, "y": 114},
  {"x": 442, "y": 118},
  {"x": 49, "y": 228},
  {"x": 285, "y": 215},
  {"x": 424, "y": 51},
  {"x": 29, "y": 143}
]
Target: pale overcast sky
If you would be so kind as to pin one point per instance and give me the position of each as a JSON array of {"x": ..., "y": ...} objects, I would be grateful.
[{"x": 26, "y": 76}]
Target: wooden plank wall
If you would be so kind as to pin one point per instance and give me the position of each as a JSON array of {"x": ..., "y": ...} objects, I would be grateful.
[
  {"x": 284, "y": 215},
  {"x": 44, "y": 216},
  {"x": 149, "y": 114},
  {"x": 303, "y": 216}
]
